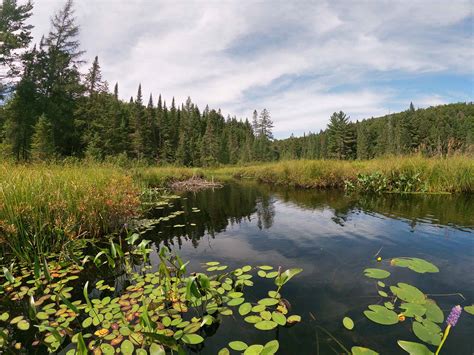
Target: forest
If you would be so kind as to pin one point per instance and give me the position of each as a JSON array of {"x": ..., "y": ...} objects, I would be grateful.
[{"x": 50, "y": 110}]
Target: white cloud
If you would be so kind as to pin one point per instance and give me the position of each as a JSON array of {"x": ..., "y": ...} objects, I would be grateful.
[{"x": 234, "y": 54}]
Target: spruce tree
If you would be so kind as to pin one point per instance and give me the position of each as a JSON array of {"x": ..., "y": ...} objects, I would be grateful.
[{"x": 42, "y": 145}]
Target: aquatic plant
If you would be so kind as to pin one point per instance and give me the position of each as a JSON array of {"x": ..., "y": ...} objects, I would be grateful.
[{"x": 167, "y": 309}]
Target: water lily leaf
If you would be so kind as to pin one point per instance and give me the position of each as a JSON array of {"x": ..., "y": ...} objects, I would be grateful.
[
  {"x": 245, "y": 309},
  {"x": 4, "y": 316},
  {"x": 254, "y": 349},
  {"x": 383, "y": 293},
  {"x": 235, "y": 301},
  {"x": 246, "y": 268},
  {"x": 359, "y": 350},
  {"x": 224, "y": 351},
  {"x": 261, "y": 273},
  {"x": 389, "y": 305},
  {"x": 192, "y": 339},
  {"x": 380, "y": 283},
  {"x": 272, "y": 274},
  {"x": 259, "y": 308},
  {"x": 469, "y": 309},
  {"x": 416, "y": 264},
  {"x": 270, "y": 348},
  {"x": 265, "y": 267},
  {"x": 157, "y": 349},
  {"x": 107, "y": 349},
  {"x": 127, "y": 347},
  {"x": 266, "y": 325},
  {"x": 414, "y": 348},
  {"x": 268, "y": 301},
  {"x": 413, "y": 309},
  {"x": 381, "y": 315},
  {"x": 408, "y": 293},
  {"x": 235, "y": 294},
  {"x": 266, "y": 315},
  {"x": 279, "y": 318},
  {"x": 348, "y": 323},
  {"x": 23, "y": 325},
  {"x": 87, "y": 322},
  {"x": 376, "y": 273},
  {"x": 238, "y": 345},
  {"x": 212, "y": 263},
  {"x": 433, "y": 312},
  {"x": 293, "y": 319},
  {"x": 252, "y": 319},
  {"x": 428, "y": 332}
]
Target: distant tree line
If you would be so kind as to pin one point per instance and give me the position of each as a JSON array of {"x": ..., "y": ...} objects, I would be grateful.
[
  {"x": 441, "y": 131},
  {"x": 50, "y": 110}
]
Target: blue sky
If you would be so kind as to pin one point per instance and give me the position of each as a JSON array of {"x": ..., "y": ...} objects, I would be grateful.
[{"x": 302, "y": 60}]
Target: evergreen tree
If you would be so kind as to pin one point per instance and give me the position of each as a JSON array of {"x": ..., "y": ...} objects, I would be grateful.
[
  {"x": 42, "y": 145},
  {"x": 340, "y": 137},
  {"x": 15, "y": 35}
]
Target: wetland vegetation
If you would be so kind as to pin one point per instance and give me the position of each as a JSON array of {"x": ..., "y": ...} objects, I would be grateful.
[{"x": 354, "y": 240}]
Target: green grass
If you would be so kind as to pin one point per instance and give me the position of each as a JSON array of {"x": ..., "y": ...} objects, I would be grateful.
[
  {"x": 455, "y": 174},
  {"x": 45, "y": 208}
]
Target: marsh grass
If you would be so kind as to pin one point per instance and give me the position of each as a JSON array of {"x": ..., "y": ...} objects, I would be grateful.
[
  {"x": 454, "y": 174},
  {"x": 44, "y": 208}
]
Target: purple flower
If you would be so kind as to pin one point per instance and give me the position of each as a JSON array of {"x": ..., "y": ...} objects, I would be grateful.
[{"x": 454, "y": 315}]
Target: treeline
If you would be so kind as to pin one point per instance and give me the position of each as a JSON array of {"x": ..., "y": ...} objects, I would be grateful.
[
  {"x": 435, "y": 131},
  {"x": 50, "y": 110}
]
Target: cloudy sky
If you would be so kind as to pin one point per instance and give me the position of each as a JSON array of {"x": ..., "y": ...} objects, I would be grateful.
[{"x": 302, "y": 60}]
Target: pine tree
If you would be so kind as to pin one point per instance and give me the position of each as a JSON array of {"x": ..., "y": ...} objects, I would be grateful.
[
  {"x": 42, "y": 145},
  {"x": 340, "y": 136},
  {"x": 15, "y": 35}
]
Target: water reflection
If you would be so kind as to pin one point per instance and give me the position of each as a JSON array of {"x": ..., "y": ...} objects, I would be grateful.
[{"x": 333, "y": 237}]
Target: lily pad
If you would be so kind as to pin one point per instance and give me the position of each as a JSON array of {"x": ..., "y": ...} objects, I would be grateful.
[
  {"x": 254, "y": 349},
  {"x": 376, "y": 273},
  {"x": 381, "y": 315},
  {"x": 127, "y": 347},
  {"x": 428, "y": 332},
  {"x": 348, "y": 323},
  {"x": 23, "y": 325},
  {"x": 469, "y": 309},
  {"x": 416, "y": 264},
  {"x": 245, "y": 308},
  {"x": 433, "y": 312},
  {"x": 270, "y": 348},
  {"x": 413, "y": 309},
  {"x": 408, "y": 293},
  {"x": 238, "y": 345},
  {"x": 268, "y": 301},
  {"x": 266, "y": 325},
  {"x": 359, "y": 350},
  {"x": 414, "y": 348},
  {"x": 279, "y": 318},
  {"x": 192, "y": 338}
]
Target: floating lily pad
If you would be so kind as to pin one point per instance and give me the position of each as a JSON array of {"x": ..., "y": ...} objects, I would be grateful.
[
  {"x": 376, "y": 273},
  {"x": 359, "y": 350},
  {"x": 293, "y": 319},
  {"x": 348, "y": 323},
  {"x": 433, "y": 312},
  {"x": 428, "y": 332},
  {"x": 270, "y": 348},
  {"x": 238, "y": 345},
  {"x": 408, "y": 293},
  {"x": 245, "y": 309},
  {"x": 469, "y": 309},
  {"x": 381, "y": 315},
  {"x": 252, "y": 319},
  {"x": 279, "y": 318},
  {"x": 255, "y": 349},
  {"x": 266, "y": 325},
  {"x": 416, "y": 264},
  {"x": 413, "y": 309},
  {"x": 127, "y": 347},
  {"x": 235, "y": 301},
  {"x": 192, "y": 338},
  {"x": 268, "y": 301},
  {"x": 414, "y": 348},
  {"x": 23, "y": 325}
]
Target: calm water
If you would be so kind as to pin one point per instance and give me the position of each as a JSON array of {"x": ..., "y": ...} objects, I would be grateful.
[{"x": 333, "y": 237}]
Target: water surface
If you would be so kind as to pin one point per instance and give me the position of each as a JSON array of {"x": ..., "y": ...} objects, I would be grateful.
[{"x": 333, "y": 237}]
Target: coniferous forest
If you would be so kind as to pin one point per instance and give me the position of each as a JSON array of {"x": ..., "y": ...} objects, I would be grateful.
[{"x": 50, "y": 110}]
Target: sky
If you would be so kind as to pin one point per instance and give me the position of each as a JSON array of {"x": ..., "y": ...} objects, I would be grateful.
[{"x": 302, "y": 60}]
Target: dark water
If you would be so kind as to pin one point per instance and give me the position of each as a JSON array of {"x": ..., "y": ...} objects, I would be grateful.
[{"x": 333, "y": 237}]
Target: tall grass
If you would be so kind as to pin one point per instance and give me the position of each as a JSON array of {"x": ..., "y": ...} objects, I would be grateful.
[
  {"x": 44, "y": 208},
  {"x": 454, "y": 174}
]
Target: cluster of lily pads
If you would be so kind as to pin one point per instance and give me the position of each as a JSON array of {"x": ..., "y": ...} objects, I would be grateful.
[
  {"x": 55, "y": 308},
  {"x": 402, "y": 301}
]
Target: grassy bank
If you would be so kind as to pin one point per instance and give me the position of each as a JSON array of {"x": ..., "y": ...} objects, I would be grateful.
[
  {"x": 455, "y": 174},
  {"x": 45, "y": 208}
]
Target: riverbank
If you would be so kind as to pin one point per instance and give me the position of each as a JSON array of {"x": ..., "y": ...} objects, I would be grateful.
[{"x": 46, "y": 208}]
